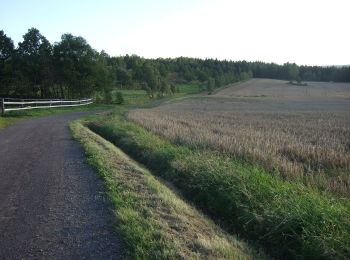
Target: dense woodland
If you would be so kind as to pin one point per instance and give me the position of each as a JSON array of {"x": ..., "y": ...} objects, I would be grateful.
[{"x": 71, "y": 68}]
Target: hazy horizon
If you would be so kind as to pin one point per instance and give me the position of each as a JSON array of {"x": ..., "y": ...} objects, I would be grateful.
[{"x": 306, "y": 33}]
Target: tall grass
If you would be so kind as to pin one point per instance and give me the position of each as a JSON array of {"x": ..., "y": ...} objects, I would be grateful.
[
  {"x": 309, "y": 146},
  {"x": 155, "y": 222},
  {"x": 288, "y": 219}
]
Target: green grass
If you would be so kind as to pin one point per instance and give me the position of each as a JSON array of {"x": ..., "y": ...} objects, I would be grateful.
[
  {"x": 131, "y": 98},
  {"x": 15, "y": 116},
  {"x": 140, "y": 98},
  {"x": 154, "y": 221},
  {"x": 191, "y": 88},
  {"x": 7, "y": 121},
  {"x": 135, "y": 97},
  {"x": 288, "y": 219}
]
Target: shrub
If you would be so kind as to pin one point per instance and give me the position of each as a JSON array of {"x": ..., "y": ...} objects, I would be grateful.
[{"x": 119, "y": 99}]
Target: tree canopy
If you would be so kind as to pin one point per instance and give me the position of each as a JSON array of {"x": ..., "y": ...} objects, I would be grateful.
[{"x": 71, "y": 68}]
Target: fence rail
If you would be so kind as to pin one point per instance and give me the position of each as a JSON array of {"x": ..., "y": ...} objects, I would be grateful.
[{"x": 13, "y": 104}]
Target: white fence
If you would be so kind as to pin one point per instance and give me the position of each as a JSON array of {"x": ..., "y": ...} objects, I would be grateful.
[{"x": 13, "y": 104}]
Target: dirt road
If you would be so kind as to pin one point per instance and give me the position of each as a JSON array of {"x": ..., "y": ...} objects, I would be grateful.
[{"x": 52, "y": 204}]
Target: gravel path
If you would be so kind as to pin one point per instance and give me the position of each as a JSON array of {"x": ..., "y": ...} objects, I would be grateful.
[{"x": 52, "y": 204}]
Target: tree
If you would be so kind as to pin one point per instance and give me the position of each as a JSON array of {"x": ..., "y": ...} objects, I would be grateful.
[
  {"x": 6, "y": 55},
  {"x": 292, "y": 71},
  {"x": 103, "y": 72},
  {"x": 72, "y": 69},
  {"x": 119, "y": 100},
  {"x": 172, "y": 88},
  {"x": 123, "y": 76},
  {"x": 34, "y": 63},
  {"x": 6, "y": 47},
  {"x": 164, "y": 87},
  {"x": 210, "y": 85},
  {"x": 77, "y": 67},
  {"x": 151, "y": 79},
  {"x": 108, "y": 98}
]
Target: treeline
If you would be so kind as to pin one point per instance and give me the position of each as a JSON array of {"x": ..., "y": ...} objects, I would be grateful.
[
  {"x": 36, "y": 68},
  {"x": 159, "y": 76},
  {"x": 291, "y": 71},
  {"x": 71, "y": 68}
]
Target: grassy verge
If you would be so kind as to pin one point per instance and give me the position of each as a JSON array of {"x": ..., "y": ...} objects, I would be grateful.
[
  {"x": 193, "y": 88},
  {"x": 288, "y": 219},
  {"x": 154, "y": 221},
  {"x": 139, "y": 97},
  {"x": 132, "y": 98},
  {"x": 14, "y": 116}
]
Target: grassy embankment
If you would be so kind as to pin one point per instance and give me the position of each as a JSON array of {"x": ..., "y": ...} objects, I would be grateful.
[
  {"x": 288, "y": 219},
  {"x": 155, "y": 221},
  {"x": 308, "y": 147}
]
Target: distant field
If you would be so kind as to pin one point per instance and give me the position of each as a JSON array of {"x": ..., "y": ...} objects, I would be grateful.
[
  {"x": 279, "y": 89},
  {"x": 299, "y": 132}
]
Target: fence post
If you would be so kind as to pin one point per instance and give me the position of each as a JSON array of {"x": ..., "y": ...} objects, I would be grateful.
[{"x": 2, "y": 106}]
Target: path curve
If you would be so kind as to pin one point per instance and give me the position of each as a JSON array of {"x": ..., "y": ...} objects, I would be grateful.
[{"x": 52, "y": 204}]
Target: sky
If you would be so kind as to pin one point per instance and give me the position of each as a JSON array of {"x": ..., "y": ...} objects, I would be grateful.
[{"x": 307, "y": 32}]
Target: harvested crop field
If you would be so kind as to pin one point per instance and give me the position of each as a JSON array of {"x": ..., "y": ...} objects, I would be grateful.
[{"x": 301, "y": 133}]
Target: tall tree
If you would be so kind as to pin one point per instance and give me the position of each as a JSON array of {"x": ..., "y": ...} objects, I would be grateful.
[
  {"x": 292, "y": 71},
  {"x": 34, "y": 61},
  {"x": 151, "y": 79},
  {"x": 76, "y": 66},
  {"x": 6, "y": 46},
  {"x": 6, "y": 55}
]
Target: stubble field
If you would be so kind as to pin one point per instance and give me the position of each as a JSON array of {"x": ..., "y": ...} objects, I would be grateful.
[{"x": 301, "y": 133}]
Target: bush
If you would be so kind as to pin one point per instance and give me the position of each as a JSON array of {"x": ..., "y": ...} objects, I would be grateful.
[
  {"x": 108, "y": 99},
  {"x": 98, "y": 98},
  {"x": 119, "y": 99}
]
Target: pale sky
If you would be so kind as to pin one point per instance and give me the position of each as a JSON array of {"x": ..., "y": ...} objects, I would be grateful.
[{"x": 312, "y": 32}]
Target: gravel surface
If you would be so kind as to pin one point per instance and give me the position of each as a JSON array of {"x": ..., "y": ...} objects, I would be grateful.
[{"x": 52, "y": 204}]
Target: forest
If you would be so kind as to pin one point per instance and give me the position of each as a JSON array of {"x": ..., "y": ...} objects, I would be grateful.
[{"x": 71, "y": 68}]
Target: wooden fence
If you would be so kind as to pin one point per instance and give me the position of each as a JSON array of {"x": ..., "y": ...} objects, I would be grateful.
[{"x": 13, "y": 104}]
